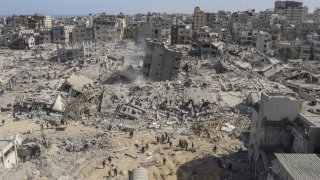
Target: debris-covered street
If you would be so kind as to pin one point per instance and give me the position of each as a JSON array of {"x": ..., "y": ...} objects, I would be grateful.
[{"x": 156, "y": 96}]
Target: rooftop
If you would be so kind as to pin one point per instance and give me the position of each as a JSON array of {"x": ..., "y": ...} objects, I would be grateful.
[{"x": 301, "y": 166}]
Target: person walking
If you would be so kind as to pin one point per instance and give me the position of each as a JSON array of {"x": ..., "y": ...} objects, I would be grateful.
[
  {"x": 104, "y": 163},
  {"x": 115, "y": 171},
  {"x": 109, "y": 159}
]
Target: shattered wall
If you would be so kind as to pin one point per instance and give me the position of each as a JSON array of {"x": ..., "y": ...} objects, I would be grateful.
[{"x": 269, "y": 121}]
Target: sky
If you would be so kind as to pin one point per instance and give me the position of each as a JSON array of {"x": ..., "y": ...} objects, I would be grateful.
[{"x": 84, "y": 7}]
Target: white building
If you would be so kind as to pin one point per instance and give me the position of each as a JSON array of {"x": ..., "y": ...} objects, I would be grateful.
[
  {"x": 47, "y": 22},
  {"x": 263, "y": 42}
]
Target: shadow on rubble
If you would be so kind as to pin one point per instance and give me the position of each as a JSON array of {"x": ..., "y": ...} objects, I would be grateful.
[
  {"x": 229, "y": 167},
  {"x": 243, "y": 108}
]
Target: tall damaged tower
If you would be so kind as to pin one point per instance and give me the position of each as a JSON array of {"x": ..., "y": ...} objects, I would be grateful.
[{"x": 161, "y": 63}]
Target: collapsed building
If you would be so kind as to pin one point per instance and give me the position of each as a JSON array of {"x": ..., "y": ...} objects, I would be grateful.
[
  {"x": 22, "y": 42},
  {"x": 161, "y": 63},
  {"x": 8, "y": 154},
  {"x": 282, "y": 124},
  {"x": 77, "y": 84},
  {"x": 74, "y": 51}
]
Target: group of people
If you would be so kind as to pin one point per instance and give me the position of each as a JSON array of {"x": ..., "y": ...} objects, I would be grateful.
[
  {"x": 184, "y": 144},
  {"x": 115, "y": 170},
  {"x": 54, "y": 123},
  {"x": 164, "y": 138}
]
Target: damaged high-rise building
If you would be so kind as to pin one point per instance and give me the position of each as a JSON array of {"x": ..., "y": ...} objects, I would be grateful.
[{"x": 161, "y": 63}]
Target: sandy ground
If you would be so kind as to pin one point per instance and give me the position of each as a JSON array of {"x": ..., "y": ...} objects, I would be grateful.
[{"x": 180, "y": 163}]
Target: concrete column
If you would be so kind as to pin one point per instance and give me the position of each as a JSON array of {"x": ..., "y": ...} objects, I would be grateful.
[
  {"x": 16, "y": 153},
  {"x": 2, "y": 155}
]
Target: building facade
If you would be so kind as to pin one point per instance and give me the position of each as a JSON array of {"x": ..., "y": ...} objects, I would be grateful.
[
  {"x": 45, "y": 36},
  {"x": 281, "y": 124},
  {"x": 8, "y": 154},
  {"x": 143, "y": 31},
  {"x": 181, "y": 34},
  {"x": 62, "y": 34},
  {"x": 161, "y": 63},
  {"x": 199, "y": 19},
  {"x": 106, "y": 28},
  {"x": 82, "y": 33},
  {"x": 263, "y": 42},
  {"x": 293, "y": 10}
]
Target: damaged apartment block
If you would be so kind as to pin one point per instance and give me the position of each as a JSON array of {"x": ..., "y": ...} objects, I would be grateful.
[
  {"x": 8, "y": 153},
  {"x": 282, "y": 124},
  {"x": 161, "y": 63}
]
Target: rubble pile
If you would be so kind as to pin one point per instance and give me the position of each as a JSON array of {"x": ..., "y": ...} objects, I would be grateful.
[{"x": 85, "y": 110}]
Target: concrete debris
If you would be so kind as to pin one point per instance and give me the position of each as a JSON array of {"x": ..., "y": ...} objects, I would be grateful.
[
  {"x": 93, "y": 109},
  {"x": 227, "y": 127}
]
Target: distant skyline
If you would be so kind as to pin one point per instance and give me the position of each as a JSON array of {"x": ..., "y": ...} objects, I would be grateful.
[{"x": 84, "y": 7}]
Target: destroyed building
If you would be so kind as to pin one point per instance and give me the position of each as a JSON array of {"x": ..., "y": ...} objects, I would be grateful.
[
  {"x": 263, "y": 42},
  {"x": 181, "y": 34},
  {"x": 107, "y": 28},
  {"x": 281, "y": 124},
  {"x": 161, "y": 63},
  {"x": 76, "y": 84},
  {"x": 143, "y": 31},
  {"x": 8, "y": 154},
  {"x": 36, "y": 21},
  {"x": 45, "y": 36},
  {"x": 71, "y": 51},
  {"x": 82, "y": 33},
  {"x": 186, "y": 90},
  {"x": 22, "y": 42},
  {"x": 62, "y": 34}
]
